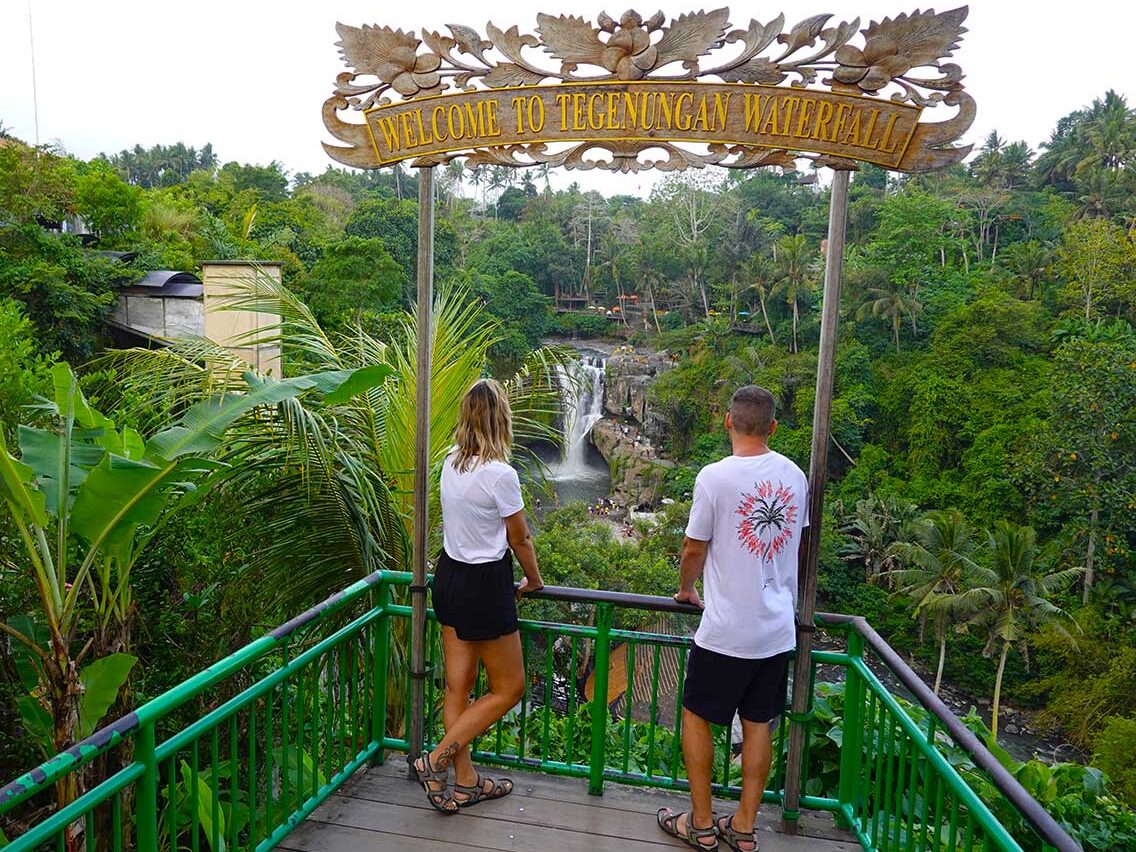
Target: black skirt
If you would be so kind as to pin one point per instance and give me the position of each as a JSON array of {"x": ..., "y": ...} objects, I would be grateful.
[{"x": 477, "y": 600}]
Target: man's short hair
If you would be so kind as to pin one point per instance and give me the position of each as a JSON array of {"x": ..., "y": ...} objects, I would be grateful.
[{"x": 752, "y": 410}]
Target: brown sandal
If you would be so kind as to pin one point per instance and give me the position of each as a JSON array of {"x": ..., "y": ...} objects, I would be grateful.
[
  {"x": 668, "y": 822},
  {"x": 477, "y": 793},
  {"x": 734, "y": 839},
  {"x": 427, "y": 775}
]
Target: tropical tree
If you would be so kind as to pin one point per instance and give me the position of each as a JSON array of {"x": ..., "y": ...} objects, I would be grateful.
[
  {"x": 330, "y": 481},
  {"x": 936, "y": 566},
  {"x": 1092, "y": 258},
  {"x": 85, "y": 499},
  {"x": 1011, "y": 598},
  {"x": 795, "y": 260},
  {"x": 334, "y": 473},
  {"x": 874, "y": 526},
  {"x": 1032, "y": 264},
  {"x": 891, "y": 302},
  {"x": 760, "y": 272}
]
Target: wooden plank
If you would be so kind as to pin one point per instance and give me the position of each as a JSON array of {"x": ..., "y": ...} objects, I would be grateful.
[
  {"x": 466, "y": 833},
  {"x": 488, "y": 831},
  {"x": 565, "y": 803},
  {"x": 323, "y": 837}
]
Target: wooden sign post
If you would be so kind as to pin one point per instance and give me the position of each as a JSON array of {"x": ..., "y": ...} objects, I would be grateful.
[{"x": 634, "y": 94}]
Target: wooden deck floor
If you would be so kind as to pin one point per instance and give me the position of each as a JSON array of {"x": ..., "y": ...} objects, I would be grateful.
[{"x": 380, "y": 810}]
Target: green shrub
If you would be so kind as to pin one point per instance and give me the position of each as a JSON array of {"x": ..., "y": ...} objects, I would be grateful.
[{"x": 1113, "y": 754}]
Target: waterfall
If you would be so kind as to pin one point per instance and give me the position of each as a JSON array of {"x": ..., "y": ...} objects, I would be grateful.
[{"x": 583, "y": 396}]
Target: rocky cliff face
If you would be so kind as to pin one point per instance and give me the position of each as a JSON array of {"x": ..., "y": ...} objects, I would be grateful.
[
  {"x": 637, "y": 472},
  {"x": 624, "y": 436},
  {"x": 629, "y": 376}
]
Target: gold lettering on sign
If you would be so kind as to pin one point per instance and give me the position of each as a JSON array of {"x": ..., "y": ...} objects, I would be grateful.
[{"x": 853, "y": 126}]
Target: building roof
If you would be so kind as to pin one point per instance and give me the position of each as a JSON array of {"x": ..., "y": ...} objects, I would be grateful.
[{"x": 166, "y": 283}]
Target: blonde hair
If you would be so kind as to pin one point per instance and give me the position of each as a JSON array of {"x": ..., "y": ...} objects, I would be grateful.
[{"x": 485, "y": 425}]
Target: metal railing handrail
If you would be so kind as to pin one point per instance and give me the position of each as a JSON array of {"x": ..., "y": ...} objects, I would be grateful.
[
  {"x": 1047, "y": 828},
  {"x": 106, "y": 738}
]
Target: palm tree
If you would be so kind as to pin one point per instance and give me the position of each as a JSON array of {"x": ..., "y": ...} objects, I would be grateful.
[
  {"x": 1013, "y": 597},
  {"x": 332, "y": 482},
  {"x": 874, "y": 526},
  {"x": 1032, "y": 263},
  {"x": 1017, "y": 158},
  {"x": 890, "y": 302},
  {"x": 795, "y": 258},
  {"x": 936, "y": 567},
  {"x": 987, "y": 166},
  {"x": 760, "y": 272}
]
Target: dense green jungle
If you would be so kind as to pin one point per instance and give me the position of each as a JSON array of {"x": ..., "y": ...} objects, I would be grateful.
[{"x": 980, "y": 511}]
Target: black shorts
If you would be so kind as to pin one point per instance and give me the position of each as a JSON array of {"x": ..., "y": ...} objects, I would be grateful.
[
  {"x": 476, "y": 599},
  {"x": 718, "y": 686}
]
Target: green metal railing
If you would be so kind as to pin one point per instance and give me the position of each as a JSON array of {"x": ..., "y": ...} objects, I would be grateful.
[{"x": 235, "y": 757}]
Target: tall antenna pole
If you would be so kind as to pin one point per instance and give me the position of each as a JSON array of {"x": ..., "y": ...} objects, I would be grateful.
[{"x": 35, "y": 91}]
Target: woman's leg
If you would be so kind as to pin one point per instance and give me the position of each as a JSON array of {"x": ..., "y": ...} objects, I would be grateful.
[
  {"x": 505, "y": 666},
  {"x": 461, "y": 675}
]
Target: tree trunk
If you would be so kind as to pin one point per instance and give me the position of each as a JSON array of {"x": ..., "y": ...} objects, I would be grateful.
[
  {"x": 794, "y": 324},
  {"x": 1094, "y": 516},
  {"x": 998, "y": 690},
  {"x": 765, "y": 315},
  {"x": 895, "y": 332},
  {"x": 654, "y": 313},
  {"x": 942, "y": 659}
]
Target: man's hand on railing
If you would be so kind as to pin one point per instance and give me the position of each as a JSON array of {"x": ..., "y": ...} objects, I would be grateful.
[
  {"x": 690, "y": 597},
  {"x": 528, "y": 586}
]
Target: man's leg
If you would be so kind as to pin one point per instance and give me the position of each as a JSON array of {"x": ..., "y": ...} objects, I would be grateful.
[
  {"x": 698, "y": 750},
  {"x": 757, "y": 756}
]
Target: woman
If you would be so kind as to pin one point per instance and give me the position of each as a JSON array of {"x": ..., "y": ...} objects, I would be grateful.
[{"x": 483, "y": 519}]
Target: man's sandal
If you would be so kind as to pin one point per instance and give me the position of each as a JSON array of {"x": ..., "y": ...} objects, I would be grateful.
[
  {"x": 475, "y": 793},
  {"x": 692, "y": 837},
  {"x": 427, "y": 775},
  {"x": 734, "y": 839}
]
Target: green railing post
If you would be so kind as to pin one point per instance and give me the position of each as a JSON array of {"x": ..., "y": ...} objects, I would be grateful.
[
  {"x": 380, "y": 652},
  {"x": 851, "y": 747},
  {"x": 146, "y": 804},
  {"x": 599, "y": 699}
]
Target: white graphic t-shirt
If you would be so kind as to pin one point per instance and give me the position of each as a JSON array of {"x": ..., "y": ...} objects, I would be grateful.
[
  {"x": 752, "y": 510},
  {"x": 474, "y": 506}
]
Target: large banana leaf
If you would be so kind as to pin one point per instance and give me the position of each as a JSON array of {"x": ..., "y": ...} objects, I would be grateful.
[
  {"x": 101, "y": 681},
  {"x": 27, "y": 503},
  {"x": 121, "y": 494},
  {"x": 60, "y": 461}
]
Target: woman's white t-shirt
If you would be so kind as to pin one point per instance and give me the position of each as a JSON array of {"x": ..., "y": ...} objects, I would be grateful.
[{"x": 474, "y": 506}]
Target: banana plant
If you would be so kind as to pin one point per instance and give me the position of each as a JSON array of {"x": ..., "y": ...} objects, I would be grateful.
[{"x": 85, "y": 499}]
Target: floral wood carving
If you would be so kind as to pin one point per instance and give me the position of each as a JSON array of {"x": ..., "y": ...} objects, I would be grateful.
[{"x": 900, "y": 59}]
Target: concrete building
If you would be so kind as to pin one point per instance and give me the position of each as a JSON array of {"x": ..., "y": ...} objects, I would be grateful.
[{"x": 166, "y": 305}]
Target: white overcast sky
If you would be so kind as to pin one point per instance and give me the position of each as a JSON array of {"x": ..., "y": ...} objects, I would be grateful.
[{"x": 250, "y": 76}]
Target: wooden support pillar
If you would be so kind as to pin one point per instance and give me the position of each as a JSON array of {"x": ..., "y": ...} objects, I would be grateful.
[
  {"x": 818, "y": 476},
  {"x": 425, "y": 321}
]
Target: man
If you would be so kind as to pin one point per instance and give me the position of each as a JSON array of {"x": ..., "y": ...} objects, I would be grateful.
[{"x": 744, "y": 532}]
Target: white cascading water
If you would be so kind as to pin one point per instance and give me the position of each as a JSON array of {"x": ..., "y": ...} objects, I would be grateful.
[{"x": 583, "y": 397}]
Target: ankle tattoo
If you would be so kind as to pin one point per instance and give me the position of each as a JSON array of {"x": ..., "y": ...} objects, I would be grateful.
[{"x": 446, "y": 755}]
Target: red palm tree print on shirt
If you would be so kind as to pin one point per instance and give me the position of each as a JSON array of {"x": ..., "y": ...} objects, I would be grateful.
[{"x": 767, "y": 517}]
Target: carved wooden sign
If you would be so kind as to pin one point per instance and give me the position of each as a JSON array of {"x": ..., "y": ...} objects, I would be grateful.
[{"x": 650, "y": 89}]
